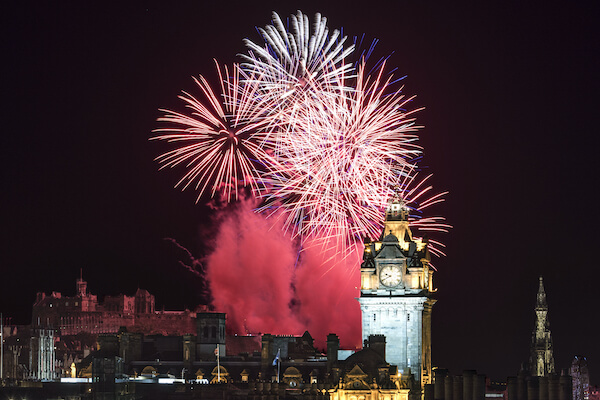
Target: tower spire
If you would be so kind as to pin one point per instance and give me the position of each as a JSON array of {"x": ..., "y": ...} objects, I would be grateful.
[
  {"x": 541, "y": 359},
  {"x": 541, "y": 297},
  {"x": 81, "y": 285}
]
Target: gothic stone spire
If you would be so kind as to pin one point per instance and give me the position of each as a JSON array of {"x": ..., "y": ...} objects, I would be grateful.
[{"x": 541, "y": 360}]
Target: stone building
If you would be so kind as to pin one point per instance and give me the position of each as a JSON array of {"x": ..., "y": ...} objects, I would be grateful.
[
  {"x": 84, "y": 313},
  {"x": 16, "y": 341},
  {"x": 581, "y": 378},
  {"x": 42, "y": 361},
  {"x": 473, "y": 386},
  {"x": 395, "y": 297},
  {"x": 64, "y": 329},
  {"x": 280, "y": 367}
]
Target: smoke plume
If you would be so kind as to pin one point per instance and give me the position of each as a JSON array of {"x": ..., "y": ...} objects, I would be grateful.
[{"x": 265, "y": 285}]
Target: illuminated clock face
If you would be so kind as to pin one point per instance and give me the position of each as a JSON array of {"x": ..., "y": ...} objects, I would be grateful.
[{"x": 390, "y": 275}]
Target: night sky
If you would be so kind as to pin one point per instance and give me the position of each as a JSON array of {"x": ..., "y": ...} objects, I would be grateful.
[{"x": 511, "y": 116}]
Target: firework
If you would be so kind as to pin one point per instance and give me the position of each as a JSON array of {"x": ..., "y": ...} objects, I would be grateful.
[
  {"x": 340, "y": 159},
  {"x": 298, "y": 63},
  {"x": 417, "y": 196},
  {"x": 220, "y": 140},
  {"x": 323, "y": 142}
]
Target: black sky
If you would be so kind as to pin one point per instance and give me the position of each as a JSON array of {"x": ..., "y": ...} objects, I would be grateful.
[{"x": 511, "y": 97}]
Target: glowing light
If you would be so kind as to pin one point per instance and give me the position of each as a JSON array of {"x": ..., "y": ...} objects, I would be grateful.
[
  {"x": 323, "y": 144},
  {"x": 297, "y": 64},
  {"x": 340, "y": 159},
  {"x": 417, "y": 196},
  {"x": 219, "y": 139}
]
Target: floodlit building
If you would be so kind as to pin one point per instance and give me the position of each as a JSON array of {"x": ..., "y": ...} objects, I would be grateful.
[
  {"x": 84, "y": 313},
  {"x": 42, "y": 361},
  {"x": 541, "y": 359},
  {"x": 396, "y": 294}
]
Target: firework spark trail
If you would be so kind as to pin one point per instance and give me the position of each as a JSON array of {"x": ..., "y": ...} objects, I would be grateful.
[
  {"x": 222, "y": 136},
  {"x": 292, "y": 65},
  {"x": 195, "y": 266},
  {"x": 339, "y": 160},
  {"x": 416, "y": 195}
]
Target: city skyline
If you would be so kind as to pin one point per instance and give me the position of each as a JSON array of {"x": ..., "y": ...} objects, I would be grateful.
[{"x": 508, "y": 132}]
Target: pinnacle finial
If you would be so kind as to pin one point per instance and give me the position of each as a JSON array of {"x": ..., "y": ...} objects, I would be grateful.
[{"x": 541, "y": 295}]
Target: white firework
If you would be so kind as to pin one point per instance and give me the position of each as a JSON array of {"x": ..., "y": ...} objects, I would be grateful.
[{"x": 290, "y": 64}]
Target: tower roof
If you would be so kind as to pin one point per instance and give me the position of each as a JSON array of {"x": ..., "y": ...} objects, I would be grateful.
[
  {"x": 390, "y": 248},
  {"x": 390, "y": 238}
]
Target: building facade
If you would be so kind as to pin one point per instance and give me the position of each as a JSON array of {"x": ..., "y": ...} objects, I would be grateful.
[
  {"x": 84, "y": 313},
  {"x": 581, "y": 378},
  {"x": 42, "y": 361},
  {"x": 395, "y": 297}
]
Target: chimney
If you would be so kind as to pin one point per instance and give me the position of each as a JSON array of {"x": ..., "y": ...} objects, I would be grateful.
[
  {"x": 266, "y": 355},
  {"x": 333, "y": 345},
  {"x": 377, "y": 343}
]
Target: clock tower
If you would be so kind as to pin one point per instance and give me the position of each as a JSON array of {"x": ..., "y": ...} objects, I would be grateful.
[{"x": 395, "y": 296}]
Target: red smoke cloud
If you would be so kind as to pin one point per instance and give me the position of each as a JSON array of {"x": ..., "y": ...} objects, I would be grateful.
[
  {"x": 327, "y": 289},
  {"x": 258, "y": 278}
]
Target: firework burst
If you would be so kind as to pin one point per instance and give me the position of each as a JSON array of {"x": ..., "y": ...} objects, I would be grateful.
[
  {"x": 340, "y": 159},
  {"x": 220, "y": 140},
  {"x": 297, "y": 63}
]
